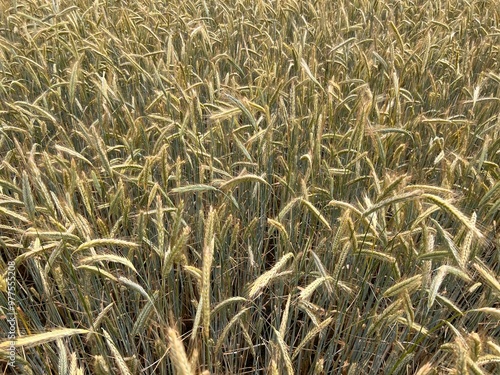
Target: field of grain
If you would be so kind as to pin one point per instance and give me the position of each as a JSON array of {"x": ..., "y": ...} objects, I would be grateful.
[{"x": 250, "y": 187}]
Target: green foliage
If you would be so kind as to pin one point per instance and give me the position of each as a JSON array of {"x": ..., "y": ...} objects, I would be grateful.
[{"x": 306, "y": 187}]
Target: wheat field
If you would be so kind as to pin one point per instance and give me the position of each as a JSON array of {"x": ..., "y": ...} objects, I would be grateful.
[{"x": 250, "y": 187}]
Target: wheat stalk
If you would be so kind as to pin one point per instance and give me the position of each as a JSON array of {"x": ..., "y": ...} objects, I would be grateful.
[
  {"x": 208, "y": 252},
  {"x": 177, "y": 352}
]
